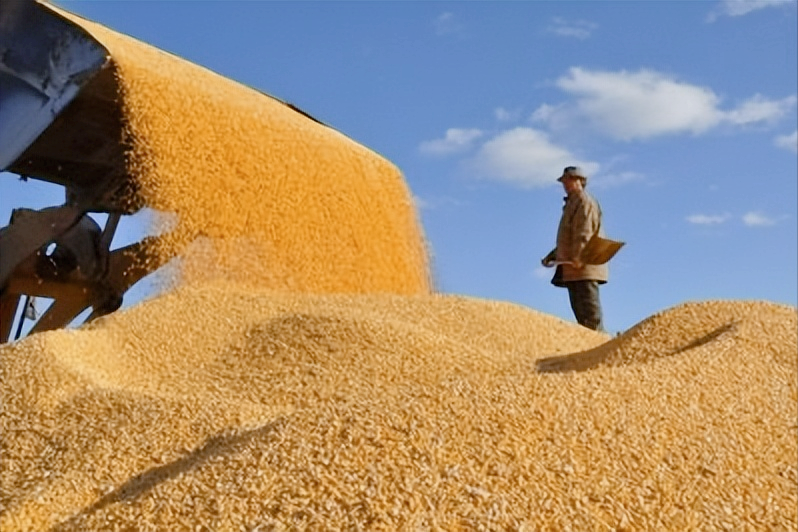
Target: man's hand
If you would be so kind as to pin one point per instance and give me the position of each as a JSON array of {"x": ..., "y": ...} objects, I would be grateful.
[
  {"x": 548, "y": 260},
  {"x": 577, "y": 264}
]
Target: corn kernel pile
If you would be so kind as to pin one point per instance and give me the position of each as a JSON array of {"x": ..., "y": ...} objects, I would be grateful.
[
  {"x": 315, "y": 383},
  {"x": 221, "y": 406}
]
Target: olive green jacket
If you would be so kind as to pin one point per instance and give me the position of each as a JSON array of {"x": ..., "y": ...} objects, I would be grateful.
[{"x": 581, "y": 219}]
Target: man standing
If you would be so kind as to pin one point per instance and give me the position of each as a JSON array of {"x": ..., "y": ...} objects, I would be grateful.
[{"x": 581, "y": 220}]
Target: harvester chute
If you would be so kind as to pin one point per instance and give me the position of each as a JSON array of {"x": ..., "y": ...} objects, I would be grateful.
[
  {"x": 71, "y": 94},
  {"x": 59, "y": 122}
]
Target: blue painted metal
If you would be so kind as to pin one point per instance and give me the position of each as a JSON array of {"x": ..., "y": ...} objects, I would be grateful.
[{"x": 44, "y": 62}]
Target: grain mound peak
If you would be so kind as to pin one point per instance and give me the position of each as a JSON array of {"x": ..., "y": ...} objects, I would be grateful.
[{"x": 762, "y": 327}]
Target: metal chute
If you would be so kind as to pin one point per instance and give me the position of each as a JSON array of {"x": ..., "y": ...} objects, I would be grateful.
[{"x": 60, "y": 122}]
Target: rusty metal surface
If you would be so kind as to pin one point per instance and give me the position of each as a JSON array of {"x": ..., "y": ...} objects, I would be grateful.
[{"x": 61, "y": 122}]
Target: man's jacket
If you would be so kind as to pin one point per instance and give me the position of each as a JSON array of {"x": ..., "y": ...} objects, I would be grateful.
[{"x": 581, "y": 219}]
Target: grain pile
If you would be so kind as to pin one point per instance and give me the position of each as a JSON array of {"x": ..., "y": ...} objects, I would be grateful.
[
  {"x": 288, "y": 404},
  {"x": 224, "y": 407},
  {"x": 277, "y": 197}
]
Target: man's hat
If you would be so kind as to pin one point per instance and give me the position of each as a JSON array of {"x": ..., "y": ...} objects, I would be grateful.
[{"x": 572, "y": 171}]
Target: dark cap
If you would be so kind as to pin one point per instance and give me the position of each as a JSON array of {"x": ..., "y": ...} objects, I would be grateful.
[{"x": 572, "y": 171}]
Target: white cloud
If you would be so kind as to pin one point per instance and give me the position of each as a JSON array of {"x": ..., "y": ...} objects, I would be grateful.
[
  {"x": 760, "y": 109},
  {"x": 446, "y": 24},
  {"x": 737, "y": 8},
  {"x": 524, "y": 157},
  {"x": 437, "y": 203},
  {"x": 757, "y": 219},
  {"x": 639, "y": 105},
  {"x": 579, "y": 29},
  {"x": 644, "y": 104},
  {"x": 455, "y": 141},
  {"x": 751, "y": 219},
  {"x": 616, "y": 179},
  {"x": 545, "y": 113},
  {"x": 506, "y": 115},
  {"x": 788, "y": 142},
  {"x": 708, "y": 219}
]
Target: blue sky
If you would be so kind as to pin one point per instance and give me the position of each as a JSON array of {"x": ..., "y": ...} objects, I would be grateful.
[{"x": 684, "y": 114}]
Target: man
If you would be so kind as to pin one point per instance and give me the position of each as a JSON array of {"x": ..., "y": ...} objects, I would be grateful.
[{"x": 581, "y": 220}]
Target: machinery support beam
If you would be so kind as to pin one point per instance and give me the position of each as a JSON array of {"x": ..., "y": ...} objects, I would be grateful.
[{"x": 21, "y": 240}]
